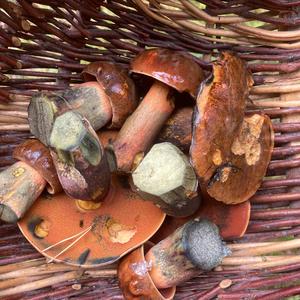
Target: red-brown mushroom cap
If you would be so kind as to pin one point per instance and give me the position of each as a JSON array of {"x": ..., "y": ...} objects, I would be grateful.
[
  {"x": 221, "y": 163},
  {"x": 232, "y": 220},
  {"x": 118, "y": 86},
  {"x": 173, "y": 68},
  {"x": 122, "y": 223},
  {"x": 35, "y": 154},
  {"x": 135, "y": 281}
]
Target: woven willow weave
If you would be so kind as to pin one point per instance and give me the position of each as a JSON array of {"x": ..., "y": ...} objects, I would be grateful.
[{"x": 44, "y": 45}]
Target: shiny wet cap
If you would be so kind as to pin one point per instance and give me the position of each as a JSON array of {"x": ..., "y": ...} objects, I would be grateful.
[
  {"x": 117, "y": 85},
  {"x": 173, "y": 68}
]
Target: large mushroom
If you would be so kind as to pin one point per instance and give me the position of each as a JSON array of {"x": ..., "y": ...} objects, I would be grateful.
[
  {"x": 230, "y": 152},
  {"x": 170, "y": 70},
  {"x": 91, "y": 238},
  {"x": 192, "y": 248},
  {"x": 107, "y": 101},
  {"x": 166, "y": 177},
  {"x": 23, "y": 182}
]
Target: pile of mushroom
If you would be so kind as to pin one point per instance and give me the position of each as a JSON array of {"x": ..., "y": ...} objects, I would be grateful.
[{"x": 126, "y": 164}]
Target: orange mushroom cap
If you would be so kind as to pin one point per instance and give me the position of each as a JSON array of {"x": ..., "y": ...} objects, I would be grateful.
[
  {"x": 232, "y": 220},
  {"x": 122, "y": 223},
  {"x": 135, "y": 281}
]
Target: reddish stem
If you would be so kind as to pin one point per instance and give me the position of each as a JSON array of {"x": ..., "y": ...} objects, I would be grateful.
[{"x": 141, "y": 128}]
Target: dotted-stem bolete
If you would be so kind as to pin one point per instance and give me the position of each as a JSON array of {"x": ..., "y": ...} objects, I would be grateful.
[
  {"x": 170, "y": 70},
  {"x": 193, "y": 248}
]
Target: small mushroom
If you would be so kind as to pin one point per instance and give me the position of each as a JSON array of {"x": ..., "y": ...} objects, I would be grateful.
[
  {"x": 118, "y": 86},
  {"x": 229, "y": 152},
  {"x": 232, "y": 220},
  {"x": 166, "y": 177},
  {"x": 36, "y": 155},
  {"x": 110, "y": 100},
  {"x": 135, "y": 281},
  {"x": 22, "y": 183},
  {"x": 194, "y": 247},
  {"x": 79, "y": 158},
  {"x": 67, "y": 233},
  {"x": 170, "y": 69}
]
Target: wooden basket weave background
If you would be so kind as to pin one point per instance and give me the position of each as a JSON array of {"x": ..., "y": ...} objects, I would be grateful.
[{"x": 44, "y": 44}]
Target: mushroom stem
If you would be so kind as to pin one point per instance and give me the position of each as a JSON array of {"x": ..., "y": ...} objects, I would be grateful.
[
  {"x": 87, "y": 99},
  {"x": 79, "y": 158},
  {"x": 166, "y": 178},
  {"x": 20, "y": 186},
  {"x": 195, "y": 246},
  {"x": 141, "y": 128}
]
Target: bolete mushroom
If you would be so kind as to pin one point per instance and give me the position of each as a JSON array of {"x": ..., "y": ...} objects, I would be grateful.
[
  {"x": 166, "y": 177},
  {"x": 229, "y": 152},
  {"x": 169, "y": 69},
  {"x": 194, "y": 247},
  {"x": 23, "y": 182},
  {"x": 69, "y": 234},
  {"x": 118, "y": 86},
  {"x": 109, "y": 100},
  {"x": 79, "y": 158},
  {"x": 135, "y": 281}
]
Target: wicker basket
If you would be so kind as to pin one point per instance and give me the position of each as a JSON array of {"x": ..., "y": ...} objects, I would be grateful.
[{"x": 46, "y": 43}]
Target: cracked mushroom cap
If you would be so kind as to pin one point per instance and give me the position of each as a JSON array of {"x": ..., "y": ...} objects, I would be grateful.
[
  {"x": 135, "y": 281},
  {"x": 173, "y": 68},
  {"x": 230, "y": 153},
  {"x": 118, "y": 86},
  {"x": 36, "y": 155},
  {"x": 122, "y": 223}
]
